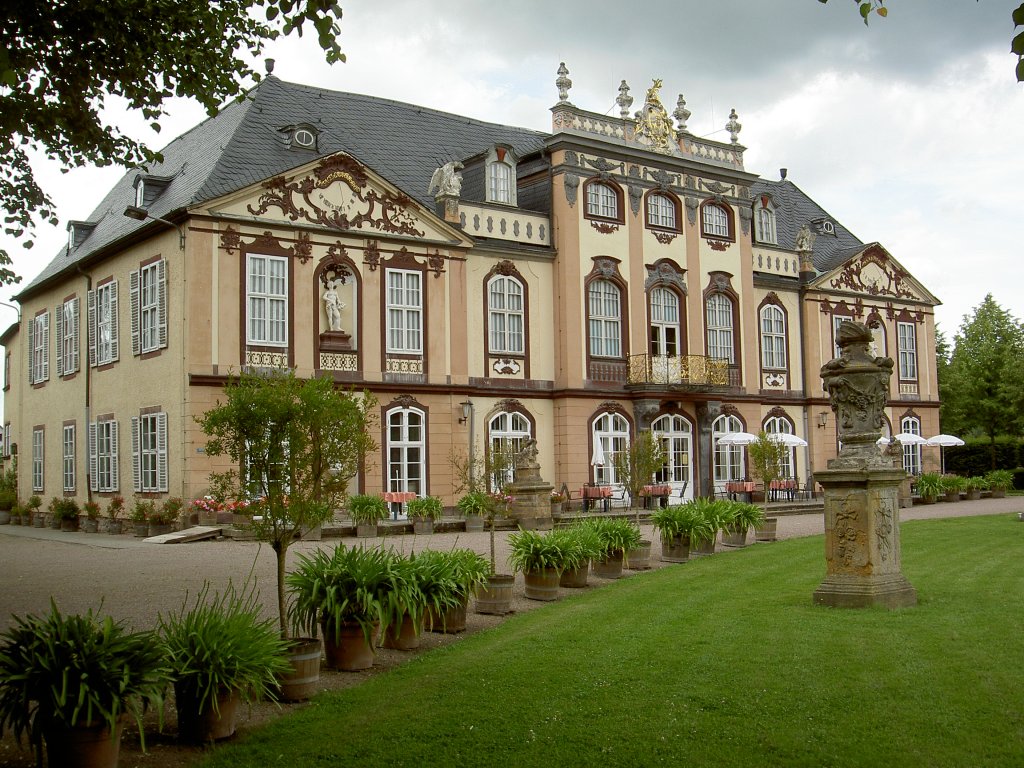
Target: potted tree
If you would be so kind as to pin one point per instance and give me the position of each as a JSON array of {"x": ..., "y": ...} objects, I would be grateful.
[
  {"x": 366, "y": 511},
  {"x": 72, "y": 681},
  {"x": 115, "y": 508},
  {"x": 17, "y": 513},
  {"x": 33, "y": 505},
  {"x": 301, "y": 441},
  {"x": 222, "y": 652},
  {"x": 541, "y": 559},
  {"x": 8, "y": 499},
  {"x": 92, "y": 516},
  {"x": 766, "y": 460},
  {"x": 635, "y": 468},
  {"x": 617, "y": 537},
  {"x": 54, "y": 517},
  {"x": 999, "y": 482},
  {"x": 740, "y": 519},
  {"x": 142, "y": 509},
  {"x": 425, "y": 511}
]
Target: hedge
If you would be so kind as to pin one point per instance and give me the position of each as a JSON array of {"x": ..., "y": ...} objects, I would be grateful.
[{"x": 975, "y": 458}]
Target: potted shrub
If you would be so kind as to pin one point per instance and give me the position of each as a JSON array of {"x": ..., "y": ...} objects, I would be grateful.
[
  {"x": 142, "y": 510},
  {"x": 174, "y": 512},
  {"x": 540, "y": 558},
  {"x": 115, "y": 508},
  {"x": 92, "y": 516},
  {"x": 366, "y": 511},
  {"x": 222, "y": 652},
  {"x": 677, "y": 525},
  {"x": 557, "y": 503},
  {"x": 617, "y": 537},
  {"x": 72, "y": 681},
  {"x": 929, "y": 487},
  {"x": 17, "y": 512},
  {"x": 999, "y": 482},
  {"x": 54, "y": 519},
  {"x": 713, "y": 514},
  {"x": 580, "y": 545},
  {"x": 33, "y": 505},
  {"x": 974, "y": 486},
  {"x": 470, "y": 572},
  {"x": 425, "y": 511},
  {"x": 474, "y": 506},
  {"x": 430, "y": 587},
  {"x": 65, "y": 513},
  {"x": 206, "y": 510},
  {"x": 741, "y": 518},
  {"x": 952, "y": 485},
  {"x": 161, "y": 519},
  {"x": 8, "y": 499}
]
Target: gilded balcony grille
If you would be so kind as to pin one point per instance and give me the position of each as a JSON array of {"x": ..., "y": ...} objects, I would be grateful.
[{"x": 681, "y": 370}]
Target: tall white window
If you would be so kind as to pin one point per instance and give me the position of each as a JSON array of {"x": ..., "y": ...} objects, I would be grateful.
[
  {"x": 103, "y": 334},
  {"x": 507, "y": 432},
  {"x": 911, "y": 453},
  {"x": 715, "y": 220},
  {"x": 773, "y": 337},
  {"x": 837, "y": 320},
  {"x": 611, "y": 432},
  {"x": 37, "y": 459},
  {"x": 779, "y": 425},
  {"x": 103, "y": 443},
  {"x": 728, "y": 463},
  {"x": 505, "y": 315},
  {"x": 149, "y": 307},
  {"x": 765, "y": 225},
  {"x": 664, "y": 322},
  {"x": 407, "y": 448},
  {"x": 605, "y": 319},
  {"x": 602, "y": 201},
  {"x": 66, "y": 317},
  {"x": 267, "y": 300},
  {"x": 907, "y": 351},
  {"x": 676, "y": 435},
  {"x": 405, "y": 311},
  {"x": 720, "y": 327},
  {"x": 39, "y": 348},
  {"x": 500, "y": 187},
  {"x": 661, "y": 212},
  {"x": 149, "y": 452},
  {"x": 68, "y": 456}
]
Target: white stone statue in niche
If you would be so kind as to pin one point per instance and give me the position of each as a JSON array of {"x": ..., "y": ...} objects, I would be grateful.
[
  {"x": 446, "y": 180},
  {"x": 333, "y": 305}
]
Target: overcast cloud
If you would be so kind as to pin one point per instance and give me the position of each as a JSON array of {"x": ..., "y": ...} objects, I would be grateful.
[{"x": 908, "y": 131}]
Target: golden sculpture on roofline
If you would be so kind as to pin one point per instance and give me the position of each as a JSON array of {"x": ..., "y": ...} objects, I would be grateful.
[{"x": 653, "y": 123}]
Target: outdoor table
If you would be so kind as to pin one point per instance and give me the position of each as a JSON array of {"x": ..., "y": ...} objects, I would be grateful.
[
  {"x": 396, "y": 499},
  {"x": 651, "y": 492},
  {"x": 592, "y": 493},
  {"x": 736, "y": 487},
  {"x": 783, "y": 486}
]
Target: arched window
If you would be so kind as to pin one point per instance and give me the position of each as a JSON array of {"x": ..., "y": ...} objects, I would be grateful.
[
  {"x": 611, "y": 433},
  {"x": 721, "y": 339},
  {"x": 764, "y": 224},
  {"x": 664, "y": 322},
  {"x": 676, "y": 437},
  {"x": 773, "y": 337},
  {"x": 603, "y": 201},
  {"x": 715, "y": 221},
  {"x": 728, "y": 463},
  {"x": 605, "y": 305},
  {"x": 779, "y": 425},
  {"x": 911, "y": 453},
  {"x": 406, "y": 450},
  {"x": 662, "y": 212},
  {"x": 505, "y": 315},
  {"x": 506, "y": 433},
  {"x": 500, "y": 188}
]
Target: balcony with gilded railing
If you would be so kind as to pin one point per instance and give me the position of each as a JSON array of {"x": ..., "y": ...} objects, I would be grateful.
[{"x": 693, "y": 373}]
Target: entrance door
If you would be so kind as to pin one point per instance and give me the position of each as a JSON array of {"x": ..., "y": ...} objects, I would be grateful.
[{"x": 676, "y": 440}]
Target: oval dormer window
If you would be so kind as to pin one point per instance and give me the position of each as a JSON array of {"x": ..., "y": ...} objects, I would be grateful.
[
  {"x": 828, "y": 228},
  {"x": 303, "y": 137}
]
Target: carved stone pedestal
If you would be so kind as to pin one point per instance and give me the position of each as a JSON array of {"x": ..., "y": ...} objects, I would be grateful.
[
  {"x": 335, "y": 341},
  {"x": 862, "y": 540},
  {"x": 531, "y": 505}
]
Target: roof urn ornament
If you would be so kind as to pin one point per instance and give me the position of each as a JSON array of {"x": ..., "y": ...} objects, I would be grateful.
[
  {"x": 681, "y": 113},
  {"x": 624, "y": 100},
  {"x": 446, "y": 181},
  {"x": 733, "y": 126},
  {"x": 563, "y": 83}
]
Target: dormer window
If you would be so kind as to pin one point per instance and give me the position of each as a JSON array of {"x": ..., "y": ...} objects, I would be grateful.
[
  {"x": 148, "y": 188},
  {"x": 77, "y": 232},
  {"x": 501, "y": 176},
  {"x": 140, "y": 192},
  {"x": 824, "y": 226},
  {"x": 303, "y": 137},
  {"x": 764, "y": 221}
]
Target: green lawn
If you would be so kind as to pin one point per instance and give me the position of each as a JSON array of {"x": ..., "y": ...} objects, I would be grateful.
[{"x": 722, "y": 661}]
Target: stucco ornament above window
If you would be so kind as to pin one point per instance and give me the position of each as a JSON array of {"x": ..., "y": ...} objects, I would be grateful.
[{"x": 654, "y": 126}]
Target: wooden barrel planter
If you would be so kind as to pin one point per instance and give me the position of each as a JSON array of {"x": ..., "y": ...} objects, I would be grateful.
[
  {"x": 91, "y": 745},
  {"x": 676, "y": 549},
  {"x": 301, "y": 682},
  {"x": 474, "y": 523},
  {"x": 404, "y": 636},
  {"x": 69, "y": 525},
  {"x": 608, "y": 567},
  {"x": 366, "y": 531},
  {"x": 768, "y": 530},
  {"x": 348, "y": 650},
  {"x": 734, "y": 537},
  {"x": 639, "y": 559},
  {"x": 575, "y": 578},
  {"x": 422, "y": 526},
  {"x": 542, "y": 584},
  {"x": 160, "y": 529},
  {"x": 210, "y": 723},
  {"x": 451, "y": 621},
  {"x": 702, "y": 547},
  {"x": 495, "y": 598}
]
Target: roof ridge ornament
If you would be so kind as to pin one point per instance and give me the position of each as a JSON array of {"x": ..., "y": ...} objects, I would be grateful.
[
  {"x": 654, "y": 124},
  {"x": 733, "y": 126},
  {"x": 681, "y": 114},
  {"x": 563, "y": 83},
  {"x": 624, "y": 100}
]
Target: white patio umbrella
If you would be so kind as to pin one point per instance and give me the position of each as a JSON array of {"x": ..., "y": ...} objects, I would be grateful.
[
  {"x": 942, "y": 441},
  {"x": 737, "y": 438},
  {"x": 788, "y": 440},
  {"x": 909, "y": 438},
  {"x": 598, "y": 459}
]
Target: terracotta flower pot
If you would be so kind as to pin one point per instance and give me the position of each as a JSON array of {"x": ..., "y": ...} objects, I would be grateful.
[
  {"x": 210, "y": 723},
  {"x": 404, "y": 636},
  {"x": 451, "y": 621},
  {"x": 91, "y": 745},
  {"x": 575, "y": 578}
]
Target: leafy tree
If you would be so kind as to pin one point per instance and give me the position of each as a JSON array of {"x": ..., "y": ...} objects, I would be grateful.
[
  {"x": 61, "y": 60},
  {"x": 766, "y": 459},
  {"x": 982, "y": 388},
  {"x": 299, "y": 442},
  {"x": 635, "y": 467}
]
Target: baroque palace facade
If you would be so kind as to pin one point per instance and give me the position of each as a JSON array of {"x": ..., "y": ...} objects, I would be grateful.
[{"x": 485, "y": 283}]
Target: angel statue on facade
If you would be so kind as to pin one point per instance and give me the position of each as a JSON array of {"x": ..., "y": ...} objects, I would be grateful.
[{"x": 446, "y": 180}]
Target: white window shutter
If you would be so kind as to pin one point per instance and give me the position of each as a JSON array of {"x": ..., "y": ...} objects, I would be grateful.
[
  {"x": 114, "y": 459},
  {"x": 161, "y": 452},
  {"x": 161, "y": 297},
  {"x": 114, "y": 355},
  {"x": 136, "y": 457},
  {"x": 31, "y": 351},
  {"x": 75, "y": 338},
  {"x": 91, "y": 331},
  {"x": 133, "y": 290},
  {"x": 44, "y": 374},
  {"x": 92, "y": 456},
  {"x": 58, "y": 324}
]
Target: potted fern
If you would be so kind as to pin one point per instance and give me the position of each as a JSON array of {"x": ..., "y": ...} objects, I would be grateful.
[
  {"x": 616, "y": 537},
  {"x": 72, "y": 681},
  {"x": 952, "y": 485},
  {"x": 425, "y": 511},
  {"x": 974, "y": 486},
  {"x": 474, "y": 506},
  {"x": 929, "y": 487},
  {"x": 541, "y": 559},
  {"x": 714, "y": 513},
  {"x": 366, "y": 511},
  {"x": 580, "y": 545},
  {"x": 999, "y": 482},
  {"x": 430, "y": 587},
  {"x": 739, "y": 519},
  {"x": 678, "y": 526}
]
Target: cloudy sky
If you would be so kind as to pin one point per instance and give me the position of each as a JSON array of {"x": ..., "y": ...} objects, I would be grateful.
[{"x": 910, "y": 131}]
